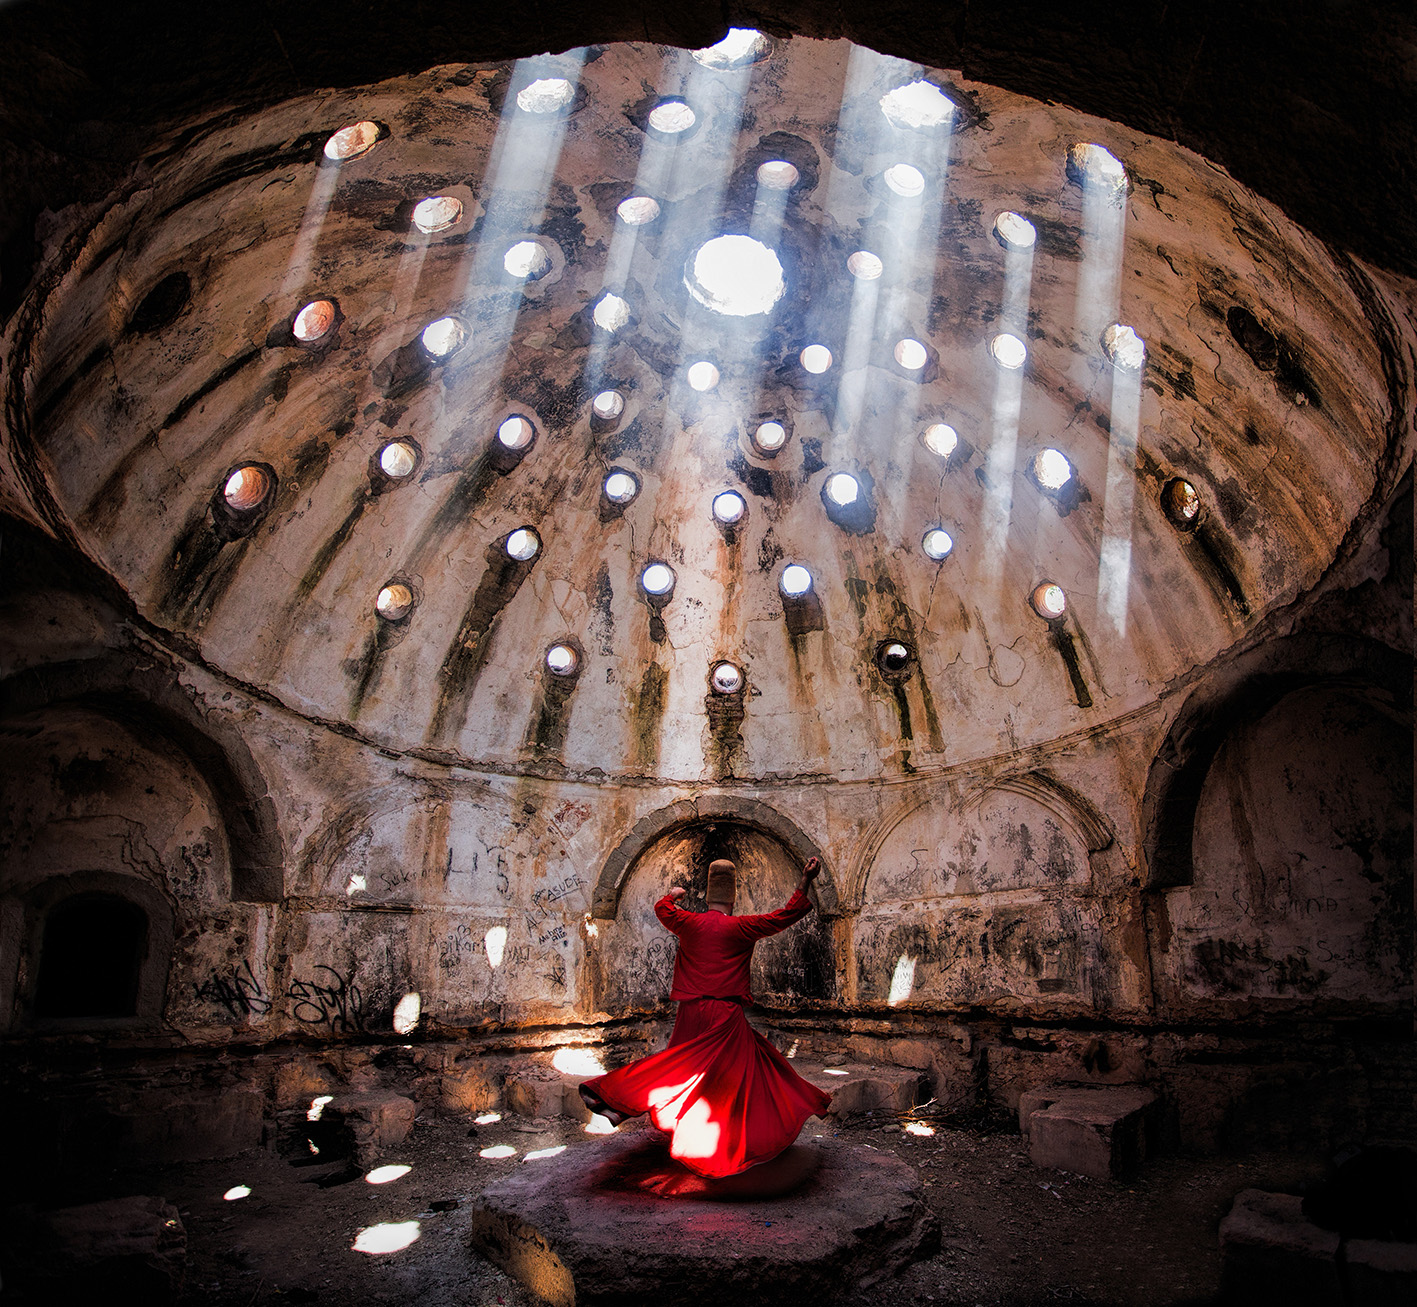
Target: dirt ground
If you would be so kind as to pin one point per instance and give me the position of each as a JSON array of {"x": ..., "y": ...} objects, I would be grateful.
[{"x": 1011, "y": 1233}]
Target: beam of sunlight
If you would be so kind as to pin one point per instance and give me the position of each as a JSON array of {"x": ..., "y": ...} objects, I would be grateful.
[
  {"x": 902, "y": 980},
  {"x": 577, "y": 1062},
  {"x": 302, "y": 252},
  {"x": 517, "y": 181},
  {"x": 386, "y": 1174},
  {"x": 317, "y": 1106},
  {"x": 1104, "y": 221},
  {"x": 497, "y": 1152},
  {"x": 599, "y": 1125},
  {"x": 536, "y": 1155},
  {"x": 999, "y": 470},
  {"x": 495, "y": 942},
  {"x": 1115, "y": 561},
  {"x": 407, "y": 1012},
  {"x": 388, "y": 1237},
  {"x": 237, "y": 1191}
]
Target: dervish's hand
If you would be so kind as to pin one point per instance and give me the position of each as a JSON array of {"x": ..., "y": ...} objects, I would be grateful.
[
  {"x": 811, "y": 869},
  {"x": 678, "y": 892}
]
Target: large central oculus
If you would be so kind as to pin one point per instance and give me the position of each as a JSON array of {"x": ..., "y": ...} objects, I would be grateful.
[{"x": 735, "y": 275}]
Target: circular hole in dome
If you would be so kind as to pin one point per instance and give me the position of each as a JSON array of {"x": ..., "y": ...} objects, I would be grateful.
[
  {"x": 741, "y": 47},
  {"x": 437, "y": 213},
  {"x": 443, "y": 337},
  {"x": 621, "y": 487},
  {"x": 735, "y": 275},
  {"x": 657, "y": 579},
  {"x": 352, "y": 141},
  {"x": 941, "y": 438},
  {"x": 865, "y": 266},
  {"x": 726, "y": 678},
  {"x": 1008, "y": 351},
  {"x": 796, "y": 581},
  {"x": 1048, "y": 600},
  {"x": 911, "y": 354},
  {"x": 816, "y": 359},
  {"x": 918, "y": 104},
  {"x": 395, "y": 602},
  {"x": 778, "y": 175},
  {"x": 523, "y": 544},
  {"x": 608, "y": 405},
  {"x": 1051, "y": 469},
  {"x": 527, "y": 261},
  {"x": 545, "y": 95},
  {"x": 770, "y": 436},
  {"x": 893, "y": 657},
  {"x": 1181, "y": 502},
  {"x": 246, "y": 488},
  {"x": 905, "y": 180},
  {"x": 516, "y": 432},
  {"x": 843, "y": 489},
  {"x": 637, "y": 210},
  {"x": 729, "y": 507},
  {"x": 397, "y": 459},
  {"x": 672, "y": 117},
  {"x": 314, "y": 320},
  {"x": 1013, "y": 231},
  {"x": 702, "y": 375},
  {"x": 1092, "y": 165},
  {"x": 1124, "y": 347},
  {"x": 610, "y": 313},
  {"x": 937, "y": 543},
  {"x": 562, "y": 660}
]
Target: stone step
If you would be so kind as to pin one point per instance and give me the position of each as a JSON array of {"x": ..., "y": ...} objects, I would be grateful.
[
  {"x": 1269, "y": 1252},
  {"x": 857, "y": 1087},
  {"x": 1102, "y": 1131}
]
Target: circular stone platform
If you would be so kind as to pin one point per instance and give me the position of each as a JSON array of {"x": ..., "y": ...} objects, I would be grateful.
[{"x": 581, "y": 1230}]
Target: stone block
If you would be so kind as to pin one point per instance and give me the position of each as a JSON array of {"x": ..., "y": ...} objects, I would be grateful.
[
  {"x": 376, "y": 1123},
  {"x": 1270, "y": 1253},
  {"x": 469, "y": 1089},
  {"x": 1380, "y": 1273},
  {"x": 535, "y": 1091},
  {"x": 121, "y": 1250},
  {"x": 857, "y": 1089},
  {"x": 1100, "y": 1131}
]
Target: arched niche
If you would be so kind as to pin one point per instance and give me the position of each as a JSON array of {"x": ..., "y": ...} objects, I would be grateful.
[
  {"x": 745, "y": 812},
  {"x": 145, "y": 698},
  {"x": 633, "y": 961},
  {"x": 1242, "y": 693},
  {"x": 1301, "y": 860},
  {"x": 987, "y": 900},
  {"x": 1023, "y": 832}
]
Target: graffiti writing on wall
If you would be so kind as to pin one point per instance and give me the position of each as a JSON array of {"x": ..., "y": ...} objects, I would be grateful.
[
  {"x": 240, "y": 993},
  {"x": 326, "y": 999},
  {"x": 458, "y": 944},
  {"x": 496, "y": 862}
]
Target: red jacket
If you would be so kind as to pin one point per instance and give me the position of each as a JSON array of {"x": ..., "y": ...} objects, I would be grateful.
[{"x": 715, "y": 949}]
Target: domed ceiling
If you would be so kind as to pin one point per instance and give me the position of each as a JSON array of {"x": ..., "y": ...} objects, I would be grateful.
[{"x": 383, "y": 401}]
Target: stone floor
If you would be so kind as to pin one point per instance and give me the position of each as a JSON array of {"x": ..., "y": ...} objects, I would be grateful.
[{"x": 1011, "y": 1233}]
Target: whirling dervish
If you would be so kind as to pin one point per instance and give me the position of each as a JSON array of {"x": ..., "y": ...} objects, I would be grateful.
[{"x": 727, "y": 1097}]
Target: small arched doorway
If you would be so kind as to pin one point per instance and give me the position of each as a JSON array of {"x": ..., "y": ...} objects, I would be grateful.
[{"x": 91, "y": 958}]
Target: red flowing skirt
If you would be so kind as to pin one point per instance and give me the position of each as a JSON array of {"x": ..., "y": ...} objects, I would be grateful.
[{"x": 727, "y": 1097}]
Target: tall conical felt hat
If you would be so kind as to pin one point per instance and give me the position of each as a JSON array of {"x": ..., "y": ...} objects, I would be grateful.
[{"x": 722, "y": 881}]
